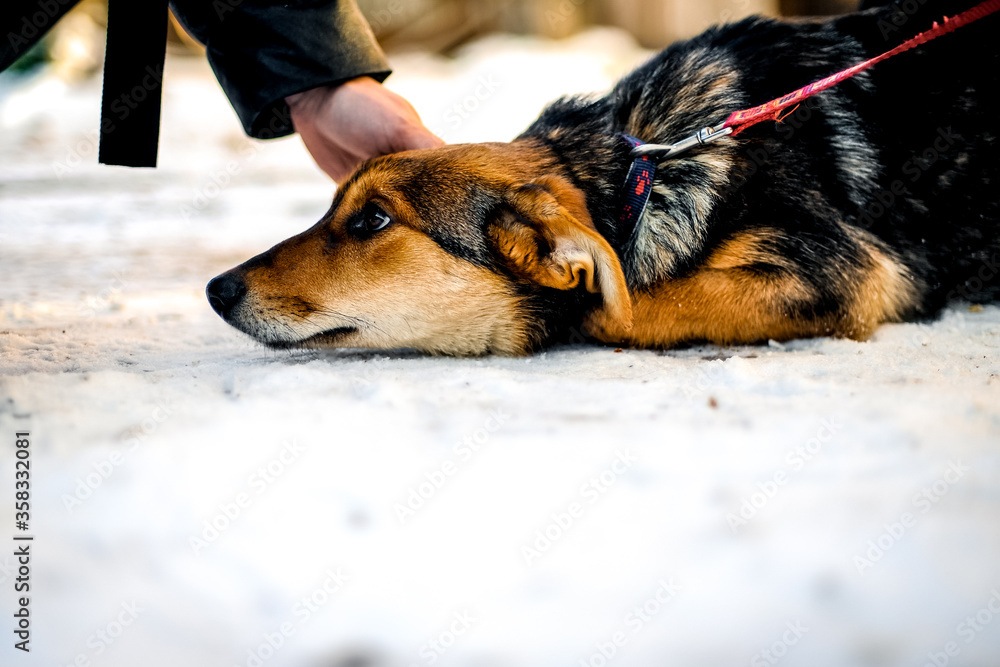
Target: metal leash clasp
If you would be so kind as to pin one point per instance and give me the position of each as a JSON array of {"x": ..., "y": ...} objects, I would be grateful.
[{"x": 659, "y": 152}]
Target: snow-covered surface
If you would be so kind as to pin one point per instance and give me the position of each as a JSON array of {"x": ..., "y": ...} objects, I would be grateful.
[{"x": 830, "y": 502}]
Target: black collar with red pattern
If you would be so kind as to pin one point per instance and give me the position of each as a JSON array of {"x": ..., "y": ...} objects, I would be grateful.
[{"x": 638, "y": 187}]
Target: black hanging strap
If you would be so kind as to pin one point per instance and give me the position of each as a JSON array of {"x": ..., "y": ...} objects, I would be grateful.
[{"x": 133, "y": 82}]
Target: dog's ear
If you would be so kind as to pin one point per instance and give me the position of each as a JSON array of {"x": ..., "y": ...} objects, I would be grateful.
[{"x": 545, "y": 234}]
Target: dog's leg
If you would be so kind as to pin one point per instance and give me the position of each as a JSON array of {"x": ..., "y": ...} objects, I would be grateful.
[{"x": 748, "y": 291}]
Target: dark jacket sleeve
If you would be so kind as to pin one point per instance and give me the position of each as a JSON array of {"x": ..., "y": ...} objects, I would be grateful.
[
  {"x": 24, "y": 22},
  {"x": 263, "y": 50}
]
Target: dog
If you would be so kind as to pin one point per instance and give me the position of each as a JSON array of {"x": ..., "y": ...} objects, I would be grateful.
[{"x": 875, "y": 201}]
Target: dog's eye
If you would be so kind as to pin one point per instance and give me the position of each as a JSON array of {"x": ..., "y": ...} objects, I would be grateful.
[{"x": 371, "y": 219}]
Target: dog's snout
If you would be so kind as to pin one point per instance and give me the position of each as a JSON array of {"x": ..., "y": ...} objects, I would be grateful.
[{"x": 225, "y": 292}]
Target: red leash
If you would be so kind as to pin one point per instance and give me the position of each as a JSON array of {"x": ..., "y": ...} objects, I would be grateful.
[{"x": 741, "y": 120}]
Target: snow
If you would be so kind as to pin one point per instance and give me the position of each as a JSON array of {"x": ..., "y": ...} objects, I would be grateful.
[{"x": 866, "y": 473}]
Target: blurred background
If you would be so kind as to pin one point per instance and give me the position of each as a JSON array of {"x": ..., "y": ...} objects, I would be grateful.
[{"x": 76, "y": 46}]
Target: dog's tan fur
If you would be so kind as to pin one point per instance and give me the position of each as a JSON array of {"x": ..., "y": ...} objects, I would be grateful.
[
  {"x": 401, "y": 289},
  {"x": 506, "y": 247},
  {"x": 726, "y": 302}
]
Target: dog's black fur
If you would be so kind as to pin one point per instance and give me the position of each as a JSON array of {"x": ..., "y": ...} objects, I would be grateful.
[
  {"x": 825, "y": 175},
  {"x": 872, "y": 202}
]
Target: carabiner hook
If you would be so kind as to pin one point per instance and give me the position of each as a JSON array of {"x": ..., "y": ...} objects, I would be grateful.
[{"x": 660, "y": 152}]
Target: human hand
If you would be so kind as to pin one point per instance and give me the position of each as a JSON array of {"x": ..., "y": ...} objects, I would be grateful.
[{"x": 342, "y": 126}]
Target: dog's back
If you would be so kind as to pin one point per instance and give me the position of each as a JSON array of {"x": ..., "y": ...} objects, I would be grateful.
[
  {"x": 904, "y": 153},
  {"x": 932, "y": 115}
]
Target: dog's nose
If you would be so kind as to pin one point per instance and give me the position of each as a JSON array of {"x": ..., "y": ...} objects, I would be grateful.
[{"x": 225, "y": 292}]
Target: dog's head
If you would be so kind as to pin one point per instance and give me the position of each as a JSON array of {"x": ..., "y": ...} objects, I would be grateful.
[{"x": 458, "y": 250}]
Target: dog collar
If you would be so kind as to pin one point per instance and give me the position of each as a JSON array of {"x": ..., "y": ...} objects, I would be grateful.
[
  {"x": 638, "y": 187},
  {"x": 645, "y": 157}
]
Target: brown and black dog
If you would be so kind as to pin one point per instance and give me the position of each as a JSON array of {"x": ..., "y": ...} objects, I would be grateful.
[{"x": 873, "y": 202}]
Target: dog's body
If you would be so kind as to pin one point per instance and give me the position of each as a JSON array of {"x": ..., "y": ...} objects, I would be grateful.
[{"x": 872, "y": 202}]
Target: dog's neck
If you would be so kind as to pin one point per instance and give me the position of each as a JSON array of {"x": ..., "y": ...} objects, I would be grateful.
[
  {"x": 584, "y": 140},
  {"x": 583, "y": 135}
]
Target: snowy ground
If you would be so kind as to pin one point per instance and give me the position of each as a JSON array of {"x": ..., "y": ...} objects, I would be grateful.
[{"x": 198, "y": 500}]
